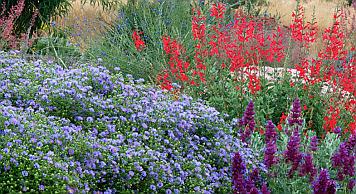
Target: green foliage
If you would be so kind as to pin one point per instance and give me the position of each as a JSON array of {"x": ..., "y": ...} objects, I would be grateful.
[
  {"x": 57, "y": 44},
  {"x": 349, "y": 2},
  {"x": 154, "y": 19},
  {"x": 252, "y": 6}
]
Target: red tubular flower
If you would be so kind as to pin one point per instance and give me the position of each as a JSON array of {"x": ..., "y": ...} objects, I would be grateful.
[
  {"x": 198, "y": 25},
  {"x": 139, "y": 43},
  {"x": 163, "y": 81},
  {"x": 331, "y": 121},
  {"x": 297, "y": 24},
  {"x": 254, "y": 84},
  {"x": 276, "y": 48},
  {"x": 334, "y": 41},
  {"x": 312, "y": 34},
  {"x": 303, "y": 70},
  {"x": 178, "y": 67},
  {"x": 198, "y": 30},
  {"x": 301, "y": 31},
  {"x": 218, "y": 10},
  {"x": 352, "y": 126},
  {"x": 282, "y": 121}
]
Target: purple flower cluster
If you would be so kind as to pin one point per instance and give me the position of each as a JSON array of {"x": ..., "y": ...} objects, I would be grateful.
[
  {"x": 344, "y": 161},
  {"x": 337, "y": 130},
  {"x": 271, "y": 133},
  {"x": 292, "y": 154},
  {"x": 244, "y": 182},
  {"x": 271, "y": 147},
  {"x": 92, "y": 130},
  {"x": 323, "y": 184},
  {"x": 247, "y": 122},
  {"x": 307, "y": 167},
  {"x": 295, "y": 115},
  {"x": 351, "y": 144},
  {"x": 314, "y": 143},
  {"x": 238, "y": 174}
]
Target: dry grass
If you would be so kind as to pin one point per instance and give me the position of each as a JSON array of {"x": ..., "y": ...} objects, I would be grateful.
[
  {"x": 324, "y": 10},
  {"x": 86, "y": 22}
]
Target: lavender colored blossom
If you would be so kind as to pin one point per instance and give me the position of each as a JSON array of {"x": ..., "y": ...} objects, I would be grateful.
[
  {"x": 24, "y": 173},
  {"x": 253, "y": 190},
  {"x": 351, "y": 184},
  {"x": 271, "y": 147},
  {"x": 152, "y": 187},
  {"x": 351, "y": 143},
  {"x": 70, "y": 151},
  {"x": 253, "y": 179}
]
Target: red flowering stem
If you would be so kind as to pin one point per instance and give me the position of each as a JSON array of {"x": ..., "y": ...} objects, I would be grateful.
[{"x": 139, "y": 43}]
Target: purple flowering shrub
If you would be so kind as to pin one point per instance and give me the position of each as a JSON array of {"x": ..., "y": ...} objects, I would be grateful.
[
  {"x": 60, "y": 92},
  {"x": 37, "y": 152},
  {"x": 85, "y": 129},
  {"x": 299, "y": 161}
]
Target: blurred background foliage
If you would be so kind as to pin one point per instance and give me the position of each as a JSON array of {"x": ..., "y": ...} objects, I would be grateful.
[{"x": 48, "y": 9}]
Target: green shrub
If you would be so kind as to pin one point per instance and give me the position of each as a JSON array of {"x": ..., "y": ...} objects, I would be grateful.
[
  {"x": 57, "y": 44},
  {"x": 154, "y": 19}
]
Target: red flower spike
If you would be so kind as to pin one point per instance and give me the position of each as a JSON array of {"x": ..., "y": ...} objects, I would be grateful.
[
  {"x": 218, "y": 10},
  {"x": 139, "y": 43}
]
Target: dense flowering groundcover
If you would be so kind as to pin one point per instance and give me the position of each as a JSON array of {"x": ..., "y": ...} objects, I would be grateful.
[{"x": 84, "y": 129}]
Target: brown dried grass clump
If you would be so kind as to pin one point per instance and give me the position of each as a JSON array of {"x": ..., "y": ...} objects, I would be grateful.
[{"x": 86, "y": 22}]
